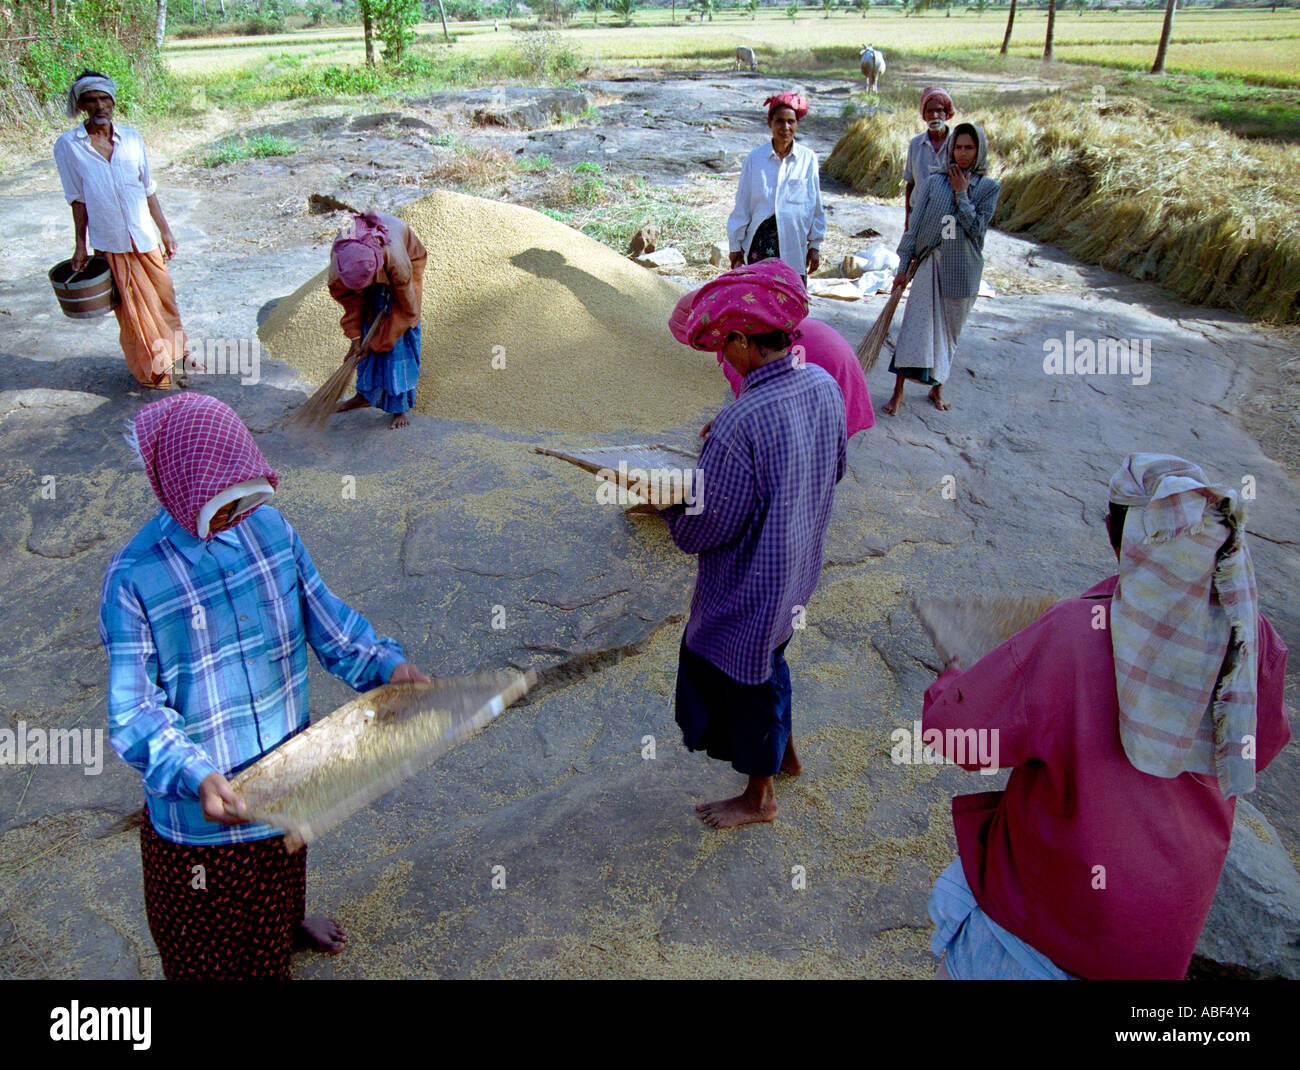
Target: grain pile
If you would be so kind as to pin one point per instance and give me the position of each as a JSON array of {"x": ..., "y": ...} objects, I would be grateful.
[{"x": 582, "y": 331}]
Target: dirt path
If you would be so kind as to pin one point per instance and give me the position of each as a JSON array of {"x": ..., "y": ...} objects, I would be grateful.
[{"x": 608, "y": 872}]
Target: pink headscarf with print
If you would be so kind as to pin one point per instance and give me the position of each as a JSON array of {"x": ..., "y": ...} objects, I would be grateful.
[
  {"x": 789, "y": 99},
  {"x": 359, "y": 251},
  {"x": 751, "y": 299},
  {"x": 193, "y": 448}
]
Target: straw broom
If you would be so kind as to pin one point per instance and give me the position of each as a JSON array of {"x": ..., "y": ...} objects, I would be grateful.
[
  {"x": 868, "y": 350},
  {"x": 320, "y": 406}
]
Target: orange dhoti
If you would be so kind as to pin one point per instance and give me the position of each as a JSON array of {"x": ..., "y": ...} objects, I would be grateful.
[{"x": 148, "y": 318}]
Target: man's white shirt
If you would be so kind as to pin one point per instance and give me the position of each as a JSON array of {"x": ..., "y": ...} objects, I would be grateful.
[
  {"x": 114, "y": 192},
  {"x": 787, "y": 188}
]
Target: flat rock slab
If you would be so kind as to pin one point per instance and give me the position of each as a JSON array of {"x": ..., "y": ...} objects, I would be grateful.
[{"x": 441, "y": 531}]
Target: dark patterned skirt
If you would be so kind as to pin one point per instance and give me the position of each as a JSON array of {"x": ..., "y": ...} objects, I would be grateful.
[
  {"x": 766, "y": 243},
  {"x": 747, "y": 725},
  {"x": 223, "y": 912}
]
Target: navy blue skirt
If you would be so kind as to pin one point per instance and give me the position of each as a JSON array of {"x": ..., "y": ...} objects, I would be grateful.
[
  {"x": 387, "y": 380},
  {"x": 747, "y": 725}
]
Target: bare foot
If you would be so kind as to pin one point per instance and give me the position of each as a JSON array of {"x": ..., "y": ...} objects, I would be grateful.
[
  {"x": 893, "y": 404},
  {"x": 400, "y": 419},
  {"x": 756, "y": 803},
  {"x": 790, "y": 764},
  {"x": 356, "y": 401},
  {"x": 936, "y": 395},
  {"x": 321, "y": 934}
]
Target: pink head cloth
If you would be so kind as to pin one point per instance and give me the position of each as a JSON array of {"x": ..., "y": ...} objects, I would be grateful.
[
  {"x": 193, "y": 447},
  {"x": 359, "y": 251},
  {"x": 751, "y": 299},
  {"x": 934, "y": 93},
  {"x": 788, "y": 99}
]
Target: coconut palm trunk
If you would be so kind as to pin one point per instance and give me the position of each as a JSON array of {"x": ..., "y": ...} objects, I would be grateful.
[
  {"x": 1166, "y": 32},
  {"x": 1051, "y": 29},
  {"x": 1011, "y": 18}
]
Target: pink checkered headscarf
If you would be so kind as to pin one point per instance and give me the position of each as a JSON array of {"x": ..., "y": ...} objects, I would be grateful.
[
  {"x": 751, "y": 299},
  {"x": 196, "y": 451},
  {"x": 359, "y": 250}
]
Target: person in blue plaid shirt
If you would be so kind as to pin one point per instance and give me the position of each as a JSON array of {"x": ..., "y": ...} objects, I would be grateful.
[
  {"x": 764, "y": 492},
  {"x": 206, "y": 617}
]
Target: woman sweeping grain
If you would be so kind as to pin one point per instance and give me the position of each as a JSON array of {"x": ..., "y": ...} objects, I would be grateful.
[
  {"x": 778, "y": 208},
  {"x": 206, "y": 617},
  {"x": 377, "y": 269},
  {"x": 770, "y": 463},
  {"x": 946, "y": 236}
]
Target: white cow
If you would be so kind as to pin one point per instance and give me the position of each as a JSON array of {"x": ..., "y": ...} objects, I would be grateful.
[
  {"x": 873, "y": 65},
  {"x": 745, "y": 56}
]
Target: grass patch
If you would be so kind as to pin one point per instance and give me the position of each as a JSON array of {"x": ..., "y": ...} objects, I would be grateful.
[
  {"x": 623, "y": 207},
  {"x": 536, "y": 164},
  {"x": 245, "y": 148},
  {"x": 1210, "y": 215}
]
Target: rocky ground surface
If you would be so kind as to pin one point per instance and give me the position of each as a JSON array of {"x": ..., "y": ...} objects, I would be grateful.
[{"x": 606, "y": 869}]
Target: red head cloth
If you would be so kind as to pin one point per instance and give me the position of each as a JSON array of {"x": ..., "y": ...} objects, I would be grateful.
[
  {"x": 359, "y": 251},
  {"x": 195, "y": 451},
  {"x": 935, "y": 94},
  {"x": 751, "y": 299},
  {"x": 788, "y": 99},
  {"x": 681, "y": 318}
]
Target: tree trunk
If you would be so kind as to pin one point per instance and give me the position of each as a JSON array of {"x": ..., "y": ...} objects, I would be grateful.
[
  {"x": 160, "y": 23},
  {"x": 442, "y": 14},
  {"x": 368, "y": 28},
  {"x": 1011, "y": 18},
  {"x": 1166, "y": 32},
  {"x": 674, "y": 12},
  {"x": 1051, "y": 29}
]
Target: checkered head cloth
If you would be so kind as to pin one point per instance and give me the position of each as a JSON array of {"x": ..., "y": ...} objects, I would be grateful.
[
  {"x": 1183, "y": 624},
  {"x": 193, "y": 448}
]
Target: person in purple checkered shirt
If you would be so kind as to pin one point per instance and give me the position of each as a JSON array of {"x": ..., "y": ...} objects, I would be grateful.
[{"x": 765, "y": 487}]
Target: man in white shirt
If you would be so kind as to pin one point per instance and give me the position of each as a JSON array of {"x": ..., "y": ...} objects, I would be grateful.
[
  {"x": 778, "y": 210},
  {"x": 115, "y": 212}
]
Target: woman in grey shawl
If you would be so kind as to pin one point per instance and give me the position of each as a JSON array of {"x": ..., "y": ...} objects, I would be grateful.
[{"x": 950, "y": 216}]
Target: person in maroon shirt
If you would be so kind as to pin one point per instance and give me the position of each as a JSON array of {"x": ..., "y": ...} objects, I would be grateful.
[{"x": 1086, "y": 866}]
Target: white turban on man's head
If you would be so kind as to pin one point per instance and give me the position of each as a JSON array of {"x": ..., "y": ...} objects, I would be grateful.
[{"x": 89, "y": 83}]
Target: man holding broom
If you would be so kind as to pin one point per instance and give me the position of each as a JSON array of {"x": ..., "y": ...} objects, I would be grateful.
[
  {"x": 377, "y": 274},
  {"x": 767, "y": 478},
  {"x": 206, "y": 617},
  {"x": 115, "y": 211}
]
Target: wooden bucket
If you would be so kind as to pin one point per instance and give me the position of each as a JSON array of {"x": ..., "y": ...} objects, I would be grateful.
[{"x": 87, "y": 293}]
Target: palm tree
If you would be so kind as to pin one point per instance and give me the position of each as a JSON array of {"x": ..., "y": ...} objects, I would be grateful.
[
  {"x": 826, "y": 7},
  {"x": 705, "y": 8},
  {"x": 595, "y": 7},
  {"x": 1010, "y": 19},
  {"x": 1051, "y": 28},
  {"x": 752, "y": 7},
  {"x": 623, "y": 8},
  {"x": 1165, "y": 33},
  {"x": 793, "y": 12}
]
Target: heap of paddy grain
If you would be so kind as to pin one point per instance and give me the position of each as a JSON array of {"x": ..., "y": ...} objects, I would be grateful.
[
  {"x": 1211, "y": 215},
  {"x": 527, "y": 325}
]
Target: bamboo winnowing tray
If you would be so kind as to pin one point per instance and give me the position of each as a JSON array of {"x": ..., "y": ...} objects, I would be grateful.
[
  {"x": 347, "y": 760},
  {"x": 640, "y": 456},
  {"x": 973, "y": 625}
]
